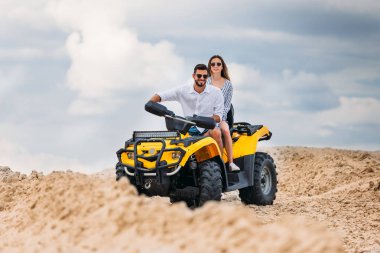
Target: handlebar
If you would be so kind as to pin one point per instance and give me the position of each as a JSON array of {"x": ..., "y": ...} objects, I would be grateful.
[{"x": 162, "y": 111}]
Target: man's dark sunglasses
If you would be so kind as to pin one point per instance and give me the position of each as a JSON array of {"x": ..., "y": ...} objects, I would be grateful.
[
  {"x": 204, "y": 76},
  {"x": 216, "y": 63}
]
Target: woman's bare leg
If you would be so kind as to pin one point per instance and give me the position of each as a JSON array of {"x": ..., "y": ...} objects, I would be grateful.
[
  {"x": 227, "y": 140},
  {"x": 228, "y": 145}
]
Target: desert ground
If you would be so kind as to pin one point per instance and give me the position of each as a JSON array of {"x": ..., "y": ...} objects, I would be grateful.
[{"x": 328, "y": 200}]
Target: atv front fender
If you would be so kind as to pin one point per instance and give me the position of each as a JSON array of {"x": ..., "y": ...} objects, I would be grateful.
[{"x": 203, "y": 150}]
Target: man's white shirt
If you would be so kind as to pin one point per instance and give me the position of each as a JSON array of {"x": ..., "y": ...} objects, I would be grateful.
[{"x": 206, "y": 104}]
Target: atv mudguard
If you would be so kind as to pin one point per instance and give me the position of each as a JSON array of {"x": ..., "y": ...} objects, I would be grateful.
[{"x": 204, "y": 149}]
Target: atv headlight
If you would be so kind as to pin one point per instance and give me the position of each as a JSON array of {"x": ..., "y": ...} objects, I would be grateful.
[
  {"x": 176, "y": 155},
  {"x": 130, "y": 155},
  {"x": 154, "y": 134}
]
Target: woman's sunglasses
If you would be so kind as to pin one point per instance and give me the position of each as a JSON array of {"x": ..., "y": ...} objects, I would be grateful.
[
  {"x": 204, "y": 76},
  {"x": 216, "y": 64}
]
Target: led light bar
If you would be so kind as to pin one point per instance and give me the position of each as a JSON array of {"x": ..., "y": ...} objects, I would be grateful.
[{"x": 154, "y": 134}]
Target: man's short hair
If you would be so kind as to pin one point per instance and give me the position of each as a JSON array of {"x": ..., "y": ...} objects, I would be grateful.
[{"x": 200, "y": 67}]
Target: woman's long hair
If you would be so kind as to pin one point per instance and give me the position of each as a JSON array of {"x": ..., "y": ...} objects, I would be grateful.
[{"x": 224, "y": 70}]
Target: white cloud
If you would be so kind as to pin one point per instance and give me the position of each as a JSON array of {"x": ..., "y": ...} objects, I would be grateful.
[
  {"x": 20, "y": 53},
  {"x": 92, "y": 106},
  {"x": 107, "y": 57},
  {"x": 352, "y": 111},
  {"x": 351, "y": 81},
  {"x": 371, "y": 7},
  {"x": 26, "y": 32},
  {"x": 238, "y": 33},
  {"x": 20, "y": 159},
  {"x": 242, "y": 74},
  {"x": 10, "y": 78},
  {"x": 304, "y": 107},
  {"x": 19, "y": 13},
  {"x": 252, "y": 89},
  {"x": 29, "y": 53},
  {"x": 289, "y": 90},
  {"x": 366, "y": 7}
]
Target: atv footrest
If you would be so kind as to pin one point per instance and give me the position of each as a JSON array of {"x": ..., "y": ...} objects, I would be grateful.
[{"x": 237, "y": 180}]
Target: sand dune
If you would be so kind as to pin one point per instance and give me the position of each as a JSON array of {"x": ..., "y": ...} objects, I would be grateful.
[{"x": 328, "y": 201}]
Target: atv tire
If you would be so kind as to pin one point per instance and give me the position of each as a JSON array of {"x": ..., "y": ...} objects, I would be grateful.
[
  {"x": 120, "y": 172},
  {"x": 210, "y": 185},
  {"x": 210, "y": 182},
  {"x": 264, "y": 188}
]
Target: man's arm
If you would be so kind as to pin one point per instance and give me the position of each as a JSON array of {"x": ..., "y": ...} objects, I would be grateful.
[
  {"x": 227, "y": 100},
  {"x": 168, "y": 95},
  {"x": 156, "y": 98}
]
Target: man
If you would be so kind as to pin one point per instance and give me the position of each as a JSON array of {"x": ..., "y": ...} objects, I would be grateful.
[{"x": 200, "y": 99}]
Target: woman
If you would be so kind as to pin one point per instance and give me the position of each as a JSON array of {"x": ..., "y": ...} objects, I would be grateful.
[{"x": 218, "y": 76}]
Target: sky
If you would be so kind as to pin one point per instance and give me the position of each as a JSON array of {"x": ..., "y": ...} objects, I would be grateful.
[{"x": 75, "y": 75}]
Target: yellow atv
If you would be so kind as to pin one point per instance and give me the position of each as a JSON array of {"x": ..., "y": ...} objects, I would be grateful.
[{"x": 174, "y": 164}]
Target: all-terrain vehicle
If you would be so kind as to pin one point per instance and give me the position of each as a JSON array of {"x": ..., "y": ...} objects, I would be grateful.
[{"x": 192, "y": 169}]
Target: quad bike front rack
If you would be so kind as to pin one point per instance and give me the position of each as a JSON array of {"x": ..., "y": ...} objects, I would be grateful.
[{"x": 161, "y": 167}]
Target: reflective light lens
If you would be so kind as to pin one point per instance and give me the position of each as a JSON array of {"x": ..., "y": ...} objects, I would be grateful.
[
  {"x": 130, "y": 155},
  {"x": 176, "y": 155}
]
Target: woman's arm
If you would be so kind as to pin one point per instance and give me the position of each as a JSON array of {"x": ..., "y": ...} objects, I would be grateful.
[{"x": 227, "y": 99}]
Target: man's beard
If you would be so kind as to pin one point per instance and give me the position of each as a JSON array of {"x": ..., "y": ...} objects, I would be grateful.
[{"x": 199, "y": 84}]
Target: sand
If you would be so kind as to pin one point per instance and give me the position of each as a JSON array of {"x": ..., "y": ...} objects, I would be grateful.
[{"x": 328, "y": 201}]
